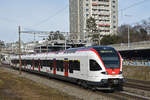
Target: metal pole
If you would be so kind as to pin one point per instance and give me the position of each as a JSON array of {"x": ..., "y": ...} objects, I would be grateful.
[
  {"x": 19, "y": 30},
  {"x": 65, "y": 40},
  {"x": 128, "y": 37},
  {"x": 78, "y": 19},
  {"x": 47, "y": 45},
  {"x": 34, "y": 37},
  {"x": 65, "y": 43},
  {"x": 99, "y": 40}
]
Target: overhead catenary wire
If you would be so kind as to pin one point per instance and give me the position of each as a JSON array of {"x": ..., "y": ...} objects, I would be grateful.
[
  {"x": 51, "y": 16},
  {"x": 133, "y": 5}
]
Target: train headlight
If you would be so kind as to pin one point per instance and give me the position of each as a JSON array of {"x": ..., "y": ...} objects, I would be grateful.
[
  {"x": 104, "y": 81},
  {"x": 105, "y": 73}
]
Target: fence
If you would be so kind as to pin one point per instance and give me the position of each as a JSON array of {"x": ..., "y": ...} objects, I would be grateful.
[{"x": 136, "y": 62}]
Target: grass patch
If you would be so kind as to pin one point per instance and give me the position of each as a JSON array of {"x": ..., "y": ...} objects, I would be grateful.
[
  {"x": 13, "y": 87},
  {"x": 1, "y": 83},
  {"x": 137, "y": 72}
]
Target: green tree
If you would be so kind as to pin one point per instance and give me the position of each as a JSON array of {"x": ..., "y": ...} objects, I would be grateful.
[
  {"x": 109, "y": 39},
  {"x": 91, "y": 25},
  {"x": 92, "y": 30},
  {"x": 55, "y": 36}
]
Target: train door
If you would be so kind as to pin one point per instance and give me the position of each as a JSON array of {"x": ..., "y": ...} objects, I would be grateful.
[
  {"x": 54, "y": 66},
  {"x": 84, "y": 67},
  {"x": 66, "y": 67}
]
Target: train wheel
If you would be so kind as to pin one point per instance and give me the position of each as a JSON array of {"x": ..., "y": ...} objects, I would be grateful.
[
  {"x": 79, "y": 82},
  {"x": 84, "y": 84},
  {"x": 93, "y": 88},
  {"x": 120, "y": 88},
  {"x": 112, "y": 89}
]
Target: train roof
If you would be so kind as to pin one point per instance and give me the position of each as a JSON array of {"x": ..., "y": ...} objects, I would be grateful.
[{"x": 90, "y": 47}]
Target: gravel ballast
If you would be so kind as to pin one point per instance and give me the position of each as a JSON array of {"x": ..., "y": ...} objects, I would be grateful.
[{"x": 75, "y": 91}]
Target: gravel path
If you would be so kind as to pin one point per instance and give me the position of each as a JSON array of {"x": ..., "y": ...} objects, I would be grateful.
[{"x": 83, "y": 94}]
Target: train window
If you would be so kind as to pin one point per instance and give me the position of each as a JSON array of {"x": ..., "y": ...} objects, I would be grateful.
[
  {"x": 70, "y": 66},
  {"x": 43, "y": 63},
  {"x": 33, "y": 64},
  {"x": 59, "y": 65},
  {"x": 22, "y": 61},
  {"x": 76, "y": 65},
  {"x": 28, "y": 62},
  {"x": 16, "y": 61},
  {"x": 94, "y": 66},
  {"x": 50, "y": 64},
  {"x": 12, "y": 61},
  {"x": 62, "y": 65},
  {"x": 36, "y": 63}
]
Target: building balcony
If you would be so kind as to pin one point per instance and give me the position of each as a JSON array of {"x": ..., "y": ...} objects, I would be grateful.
[{"x": 103, "y": 25}]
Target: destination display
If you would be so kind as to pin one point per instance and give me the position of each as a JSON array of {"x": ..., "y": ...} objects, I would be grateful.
[{"x": 106, "y": 51}]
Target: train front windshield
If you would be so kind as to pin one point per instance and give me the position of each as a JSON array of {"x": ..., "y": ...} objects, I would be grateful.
[{"x": 110, "y": 58}]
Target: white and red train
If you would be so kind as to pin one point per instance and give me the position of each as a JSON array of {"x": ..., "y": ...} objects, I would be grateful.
[{"x": 96, "y": 67}]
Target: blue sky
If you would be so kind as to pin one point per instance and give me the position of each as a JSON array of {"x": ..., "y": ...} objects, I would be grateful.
[
  {"x": 52, "y": 15},
  {"x": 137, "y": 11}
]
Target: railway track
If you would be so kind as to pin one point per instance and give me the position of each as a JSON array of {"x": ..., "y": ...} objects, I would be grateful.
[
  {"x": 138, "y": 84},
  {"x": 138, "y": 81},
  {"x": 123, "y": 95}
]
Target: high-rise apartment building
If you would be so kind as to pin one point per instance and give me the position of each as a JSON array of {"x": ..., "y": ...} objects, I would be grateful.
[{"x": 105, "y": 12}]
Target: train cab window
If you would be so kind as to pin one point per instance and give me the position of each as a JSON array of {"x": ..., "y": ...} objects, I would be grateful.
[{"x": 94, "y": 66}]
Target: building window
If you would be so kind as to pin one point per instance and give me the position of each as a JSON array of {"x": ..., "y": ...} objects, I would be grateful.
[
  {"x": 114, "y": 21},
  {"x": 87, "y": 9},
  {"x": 114, "y": 26},
  {"x": 87, "y": 15},
  {"x": 87, "y": 4}
]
